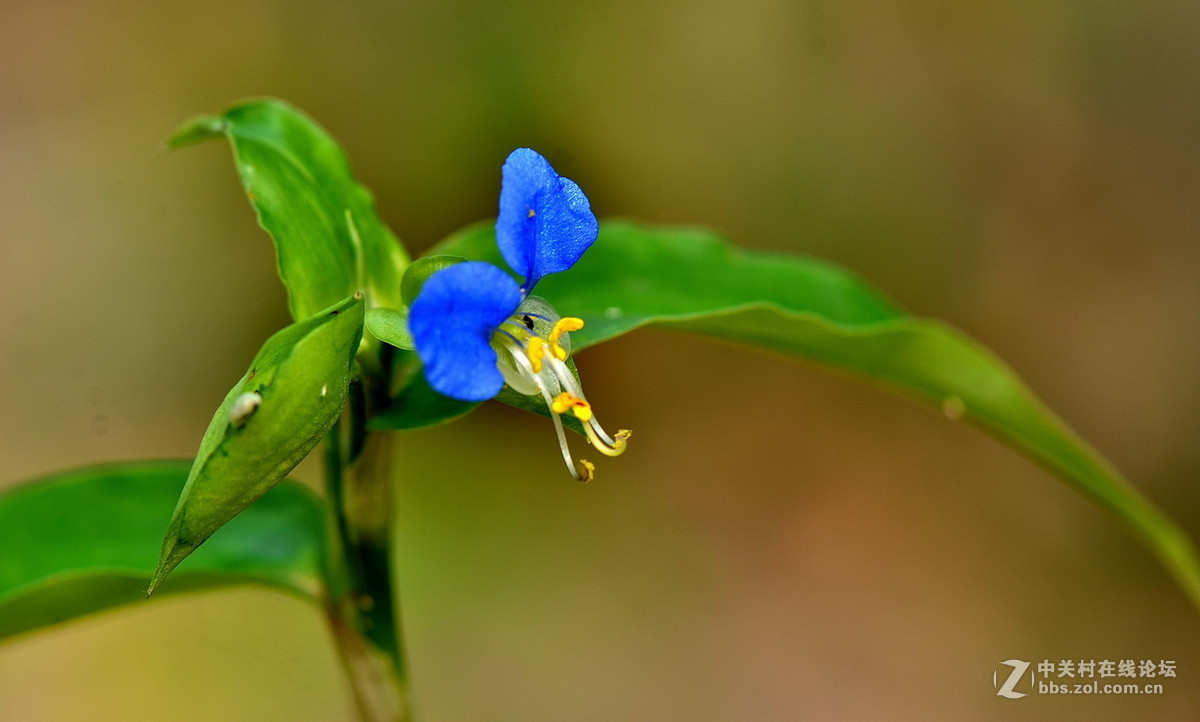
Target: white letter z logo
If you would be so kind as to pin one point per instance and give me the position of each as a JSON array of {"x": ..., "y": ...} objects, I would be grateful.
[{"x": 1019, "y": 668}]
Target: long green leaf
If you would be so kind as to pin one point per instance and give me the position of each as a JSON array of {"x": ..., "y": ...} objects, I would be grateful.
[
  {"x": 329, "y": 241},
  {"x": 692, "y": 280},
  {"x": 271, "y": 419},
  {"x": 84, "y": 541}
]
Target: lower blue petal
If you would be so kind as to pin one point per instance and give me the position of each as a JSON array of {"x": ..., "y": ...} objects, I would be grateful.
[{"x": 452, "y": 322}]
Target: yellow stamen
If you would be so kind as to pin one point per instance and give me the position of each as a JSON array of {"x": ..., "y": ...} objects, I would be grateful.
[
  {"x": 532, "y": 213},
  {"x": 586, "y": 470},
  {"x": 565, "y": 401},
  {"x": 536, "y": 350},
  {"x": 563, "y": 325}
]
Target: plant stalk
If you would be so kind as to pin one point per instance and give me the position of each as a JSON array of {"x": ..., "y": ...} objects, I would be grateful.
[{"x": 362, "y": 608}]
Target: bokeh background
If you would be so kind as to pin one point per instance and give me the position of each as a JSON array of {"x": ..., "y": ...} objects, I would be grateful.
[{"x": 780, "y": 542}]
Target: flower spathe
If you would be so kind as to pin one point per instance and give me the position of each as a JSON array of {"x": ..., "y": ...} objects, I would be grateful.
[{"x": 475, "y": 328}]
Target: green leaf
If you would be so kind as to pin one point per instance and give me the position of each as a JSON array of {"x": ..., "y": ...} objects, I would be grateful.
[
  {"x": 390, "y": 325},
  {"x": 419, "y": 271},
  {"x": 329, "y": 241},
  {"x": 83, "y": 541},
  {"x": 285, "y": 404},
  {"x": 692, "y": 280}
]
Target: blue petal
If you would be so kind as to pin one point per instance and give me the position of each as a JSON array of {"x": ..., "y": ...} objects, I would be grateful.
[
  {"x": 545, "y": 222},
  {"x": 452, "y": 321}
]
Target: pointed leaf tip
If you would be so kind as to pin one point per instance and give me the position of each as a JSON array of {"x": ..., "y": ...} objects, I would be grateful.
[
  {"x": 201, "y": 127},
  {"x": 168, "y": 560},
  {"x": 155, "y": 579}
]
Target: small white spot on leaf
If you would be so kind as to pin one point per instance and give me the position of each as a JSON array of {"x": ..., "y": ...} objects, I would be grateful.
[{"x": 243, "y": 407}]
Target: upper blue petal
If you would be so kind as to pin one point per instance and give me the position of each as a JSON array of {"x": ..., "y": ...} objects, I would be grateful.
[
  {"x": 452, "y": 321},
  {"x": 545, "y": 222}
]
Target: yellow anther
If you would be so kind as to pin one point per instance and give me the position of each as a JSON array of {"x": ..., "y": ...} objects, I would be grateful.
[
  {"x": 586, "y": 470},
  {"x": 563, "y": 325},
  {"x": 562, "y": 402},
  {"x": 532, "y": 213},
  {"x": 535, "y": 349},
  {"x": 621, "y": 440},
  {"x": 566, "y": 402}
]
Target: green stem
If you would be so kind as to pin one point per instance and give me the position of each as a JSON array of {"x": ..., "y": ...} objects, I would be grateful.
[{"x": 362, "y": 607}]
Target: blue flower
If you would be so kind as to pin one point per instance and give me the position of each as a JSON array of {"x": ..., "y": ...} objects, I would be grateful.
[{"x": 476, "y": 329}]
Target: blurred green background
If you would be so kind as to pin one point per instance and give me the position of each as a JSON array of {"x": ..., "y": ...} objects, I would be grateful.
[{"x": 779, "y": 543}]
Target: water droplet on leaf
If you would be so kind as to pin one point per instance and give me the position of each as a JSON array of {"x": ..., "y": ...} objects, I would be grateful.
[{"x": 954, "y": 408}]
